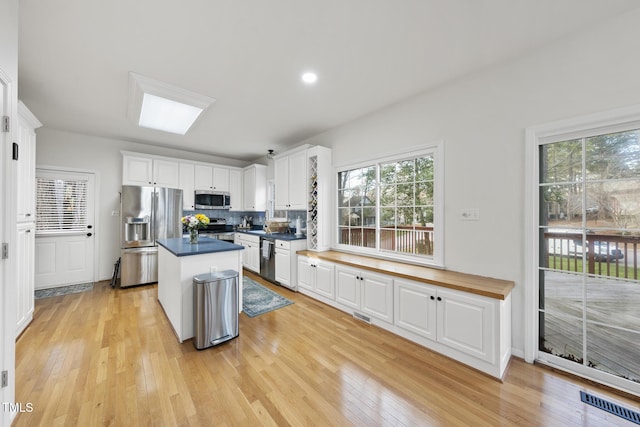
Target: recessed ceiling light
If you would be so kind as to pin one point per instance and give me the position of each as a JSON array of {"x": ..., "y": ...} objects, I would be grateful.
[
  {"x": 157, "y": 105},
  {"x": 309, "y": 78}
]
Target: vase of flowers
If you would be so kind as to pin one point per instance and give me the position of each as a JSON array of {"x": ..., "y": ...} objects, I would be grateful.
[{"x": 194, "y": 223}]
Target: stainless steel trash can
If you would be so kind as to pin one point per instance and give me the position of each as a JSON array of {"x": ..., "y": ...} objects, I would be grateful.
[{"x": 215, "y": 308}]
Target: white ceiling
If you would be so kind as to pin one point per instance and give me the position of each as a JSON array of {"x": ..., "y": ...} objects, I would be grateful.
[{"x": 75, "y": 56}]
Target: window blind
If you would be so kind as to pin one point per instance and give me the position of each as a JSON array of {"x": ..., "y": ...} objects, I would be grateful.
[{"x": 61, "y": 205}]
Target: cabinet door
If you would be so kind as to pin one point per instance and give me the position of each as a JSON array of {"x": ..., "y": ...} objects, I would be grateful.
[
  {"x": 249, "y": 177},
  {"x": 25, "y": 255},
  {"x": 377, "y": 296},
  {"x": 203, "y": 177},
  {"x": 221, "y": 179},
  {"x": 325, "y": 281},
  {"x": 254, "y": 257},
  {"x": 166, "y": 173},
  {"x": 26, "y": 172},
  {"x": 281, "y": 175},
  {"x": 306, "y": 274},
  {"x": 467, "y": 323},
  {"x": 235, "y": 189},
  {"x": 297, "y": 181},
  {"x": 187, "y": 185},
  {"x": 283, "y": 267},
  {"x": 348, "y": 287},
  {"x": 415, "y": 308},
  {"x": 137, "y": 171}
]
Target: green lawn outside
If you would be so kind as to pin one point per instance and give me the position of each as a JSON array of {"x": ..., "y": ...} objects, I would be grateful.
[{"x": 564, "y": 263}]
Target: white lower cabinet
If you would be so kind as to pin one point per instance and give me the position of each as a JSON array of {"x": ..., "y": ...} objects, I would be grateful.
[
  {"x": 366, "y": 292},
  {"x": 415, "y": 308},
  {"x": 470, "y": 328},
  {"x": 467, "y": 323},
  {"x": 251, "y": 253},
  {"x": 25, "y": 253},
  {"x": 316, "y": 277},
  {"x": 286, "y": 265}
]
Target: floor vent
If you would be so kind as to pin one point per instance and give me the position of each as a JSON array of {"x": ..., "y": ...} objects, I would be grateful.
[
  {"x": 612, "y": 408},
  {"x": 362, "y": 317}
]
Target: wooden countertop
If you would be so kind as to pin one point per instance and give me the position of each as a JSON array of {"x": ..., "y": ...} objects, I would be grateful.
[{"x": 480, "y": 285}]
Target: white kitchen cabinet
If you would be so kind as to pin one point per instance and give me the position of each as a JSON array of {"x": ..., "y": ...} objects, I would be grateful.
[
  {"x": 25, "y": 220},
  {"x": 251, "y": 253},
  {"x": 461, "y": 321},
  {"x": 365, "y": 291},
  {"x": 467, "y": 323},
  {"x": 469, "y": 327},
  {"x": 286, "y": 265},
  {"x": 142, "y": 170},
  {"x": 255, "y": 188},
  {"x": 415, "y": 308},
  {"x": 316, "y": 278},
  {"x": 235, "y": 189},
  {"x": 291, "y": 181},
  {"x": 25, "y": 256},
  {"x": 26, "y": 165},
  {"x": 187, "y": 185},
  {"x": 211, "y": 178}
]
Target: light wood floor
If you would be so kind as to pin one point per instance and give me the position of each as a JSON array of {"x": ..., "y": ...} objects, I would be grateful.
[{"x": 109, "y": 357}]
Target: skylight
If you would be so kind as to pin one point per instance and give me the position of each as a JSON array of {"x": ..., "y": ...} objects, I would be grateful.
[{"x": 157, "y": 105}]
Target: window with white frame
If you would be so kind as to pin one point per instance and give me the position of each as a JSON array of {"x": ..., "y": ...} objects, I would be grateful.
[
  {"x": 61, "y": 205},
  {"x": 391, "y": 207}
]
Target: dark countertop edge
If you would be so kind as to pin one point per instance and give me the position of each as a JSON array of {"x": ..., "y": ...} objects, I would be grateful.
[
  {"x": 277, "y": 236},
  {"x": 205, "y": 245}
]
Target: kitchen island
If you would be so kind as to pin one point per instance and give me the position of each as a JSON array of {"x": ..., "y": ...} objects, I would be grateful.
[{"x": 178, "y": 262}]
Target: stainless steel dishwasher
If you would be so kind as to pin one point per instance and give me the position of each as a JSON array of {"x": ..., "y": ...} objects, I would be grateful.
[
  {"x": 215, "y": 308},
  {"x": 268, "y": 258}
]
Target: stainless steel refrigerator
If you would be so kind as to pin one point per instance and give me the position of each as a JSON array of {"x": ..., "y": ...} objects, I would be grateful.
[{"x": 147, "y": 214}]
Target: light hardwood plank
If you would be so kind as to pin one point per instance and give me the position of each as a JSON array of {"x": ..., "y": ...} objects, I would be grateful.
[{"x": 109, "y": 357}]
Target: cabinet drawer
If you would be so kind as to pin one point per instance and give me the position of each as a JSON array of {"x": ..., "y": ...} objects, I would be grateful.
[{"x": 283, "y": 244}]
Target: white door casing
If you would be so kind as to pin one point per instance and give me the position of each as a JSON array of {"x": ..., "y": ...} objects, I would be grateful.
[{"x": 66, "y": 257}]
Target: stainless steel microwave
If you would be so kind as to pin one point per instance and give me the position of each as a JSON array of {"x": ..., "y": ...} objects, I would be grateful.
[{"x": 205, "y": 199}]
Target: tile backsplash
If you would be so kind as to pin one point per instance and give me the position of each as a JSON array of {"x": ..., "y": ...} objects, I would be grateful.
[
  {"x": 232, "y": 217},
  {"x": 258, "y": 218}
]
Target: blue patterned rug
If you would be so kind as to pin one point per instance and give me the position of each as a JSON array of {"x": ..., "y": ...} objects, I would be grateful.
[
  {"x": 63, "y": 290},
  {"x": 257, "y": 300}
]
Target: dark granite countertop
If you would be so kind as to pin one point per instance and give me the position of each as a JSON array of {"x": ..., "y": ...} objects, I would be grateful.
[
  {"x": 206, "y": 245},
  {"x": 279, "y": 236}
]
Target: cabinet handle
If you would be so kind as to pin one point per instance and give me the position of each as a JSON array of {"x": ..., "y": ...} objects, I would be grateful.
[
  {"x": 27, "y": 231},
  {"x": 357, "y": 277},
  {"x": 432, "y": 297},
  {"x": 27, "y": 214},
  {"x": 439, "y": 299}
]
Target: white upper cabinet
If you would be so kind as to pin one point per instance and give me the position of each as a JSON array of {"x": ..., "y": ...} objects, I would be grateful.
[
  {"x": 26, "y": 165},
  {"x": 235, "y": 189},
  {"x": 255, "y": 188},
  {"x": 211, "y": 178},
  {"x": 291, "y": 181},
  {"x": 138, "y": 170},
  {"x": 166, "y": 173},
  {"x": 187, "y": 185}
]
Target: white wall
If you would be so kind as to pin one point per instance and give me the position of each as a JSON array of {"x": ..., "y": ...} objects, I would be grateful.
[
  {"x": 9, "y": 68},
  {"x": 101, "y": 155},
  {"x": 482, "y": 119}
]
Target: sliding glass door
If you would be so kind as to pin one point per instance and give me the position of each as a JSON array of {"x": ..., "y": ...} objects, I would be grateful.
[{"x": 589, "y": 254}]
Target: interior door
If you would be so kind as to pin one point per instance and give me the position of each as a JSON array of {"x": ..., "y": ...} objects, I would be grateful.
[{"x": 65, "y": 234}]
